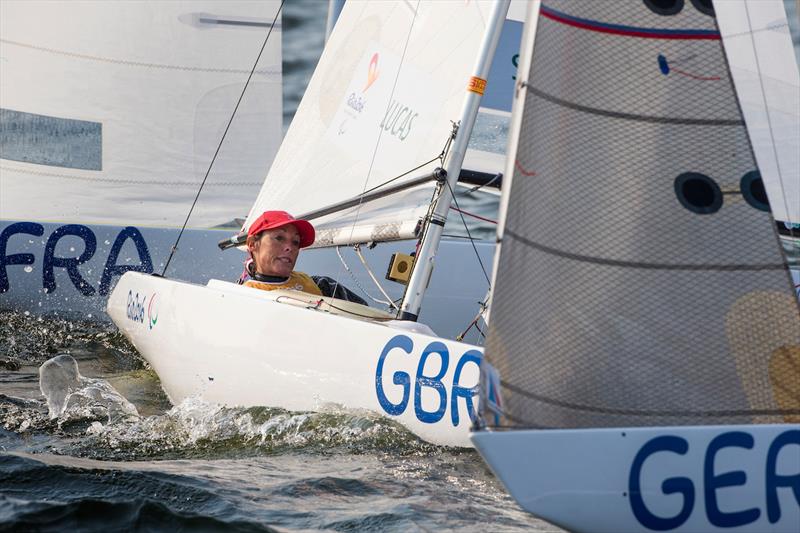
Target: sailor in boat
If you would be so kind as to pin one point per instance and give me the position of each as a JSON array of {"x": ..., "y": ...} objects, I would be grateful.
[{"x": 274, "y": 241}]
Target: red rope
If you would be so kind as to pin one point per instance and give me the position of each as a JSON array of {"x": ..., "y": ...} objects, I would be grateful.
[
  {"x": 523, "y": 170},
  {"x": 473, "y": 215}
]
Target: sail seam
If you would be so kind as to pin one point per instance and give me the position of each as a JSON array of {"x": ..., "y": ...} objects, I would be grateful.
[
  {"x": 643, "y": 265},
  {"x": 99, "y": 179},
  {"x": 639, "y": 412},
  {"x": 165, "y": 66},
  {"x": 631, "y": 116}
]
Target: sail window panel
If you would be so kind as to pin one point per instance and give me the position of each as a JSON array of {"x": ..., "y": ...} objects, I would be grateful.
[
  {"x": 698, "y": 193},
  {"x": 52, "y": 141},
  {"x": 664, "y": 7},
  {"x": 706, "y": 7},
  {"x": 753, "y": 191}
]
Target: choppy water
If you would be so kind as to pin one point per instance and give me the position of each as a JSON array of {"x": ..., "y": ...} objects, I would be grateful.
[{"x": 202, "y": 467}]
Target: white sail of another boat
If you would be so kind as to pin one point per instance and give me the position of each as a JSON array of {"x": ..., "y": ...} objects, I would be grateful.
[
  {"x": 765, "y": 72},
  {"x": 643, "y": 357},
  {"x": 111, "y": 111}
]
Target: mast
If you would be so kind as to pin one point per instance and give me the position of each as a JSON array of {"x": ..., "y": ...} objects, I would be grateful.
[
  {"x": 334, "y": 10},
  {"x": 423, "y": 265}
]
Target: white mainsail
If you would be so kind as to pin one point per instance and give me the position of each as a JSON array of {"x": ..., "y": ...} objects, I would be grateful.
[
  {"x": 380, "y": 104},
  {"x": 112, "y": 111}
]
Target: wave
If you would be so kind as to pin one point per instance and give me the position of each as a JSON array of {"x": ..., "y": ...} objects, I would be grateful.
[{"x": 38, "y": 496}]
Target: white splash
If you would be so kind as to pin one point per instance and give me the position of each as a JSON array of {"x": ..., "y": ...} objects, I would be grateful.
[{"x": 71, "y": 396}]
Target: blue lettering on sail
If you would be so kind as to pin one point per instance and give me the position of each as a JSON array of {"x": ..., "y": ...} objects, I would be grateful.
[
  {"x": 26, "y": 228},
  {"x": 51, "y": 260},
  {"x": 113, "y": 269},
  {"x": 399, "y": 348}
]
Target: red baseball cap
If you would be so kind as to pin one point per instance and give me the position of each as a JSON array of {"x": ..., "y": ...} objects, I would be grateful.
[{"x": 278, "y": 219}]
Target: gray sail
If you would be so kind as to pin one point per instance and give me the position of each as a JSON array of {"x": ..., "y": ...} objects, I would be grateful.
[{"x": 640, "y": 279}]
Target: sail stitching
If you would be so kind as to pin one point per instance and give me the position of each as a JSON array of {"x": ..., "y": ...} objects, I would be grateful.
[
  {"x": 100, "y": 179},
  {"x": 644, "y": 265},
  {"x": 631, "y": 116},
  {"x": 648, "y": 412},
  {"x": 165, "y": 66}
]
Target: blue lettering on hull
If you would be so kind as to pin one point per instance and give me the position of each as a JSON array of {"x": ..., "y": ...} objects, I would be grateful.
[
  {"x": 712, "y": 481},
  {"x": 400, "y": 348}
]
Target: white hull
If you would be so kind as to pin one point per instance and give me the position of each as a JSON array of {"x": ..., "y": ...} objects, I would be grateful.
[
  {"x": 705, "y": 478},
  {"x": 239, "y": 346}
]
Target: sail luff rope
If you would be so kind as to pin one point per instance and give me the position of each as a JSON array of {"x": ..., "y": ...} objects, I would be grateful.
[
  {"x": 769, "y": 124},
  {"x": 222, "y": 139}
]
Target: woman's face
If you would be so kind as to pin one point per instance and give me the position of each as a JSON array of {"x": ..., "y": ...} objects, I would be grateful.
[{"x": 275, "y": 251}]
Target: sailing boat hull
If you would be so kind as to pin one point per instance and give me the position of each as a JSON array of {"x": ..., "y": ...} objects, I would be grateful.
[
  {"x": 701, "y": 478},
  {"x": 238, "y": 346}
]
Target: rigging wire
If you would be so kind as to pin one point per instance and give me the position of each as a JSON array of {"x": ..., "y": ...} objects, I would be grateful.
[
  {"x": 488, "y": 183},
  {"x": 222, "y": 139},
  {"x": 388, "y": 303},
  {"x": 471, "y": 240}
]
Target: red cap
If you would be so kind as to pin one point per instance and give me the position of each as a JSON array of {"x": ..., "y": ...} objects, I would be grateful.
[{"x": 278, "y": 219}]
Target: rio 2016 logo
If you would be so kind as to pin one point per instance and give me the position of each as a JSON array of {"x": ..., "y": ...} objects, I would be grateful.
[{"x": 135, "y": 307}]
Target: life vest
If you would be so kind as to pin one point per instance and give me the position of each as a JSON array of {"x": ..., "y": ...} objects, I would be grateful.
[{"x": 297, "y": 281}]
